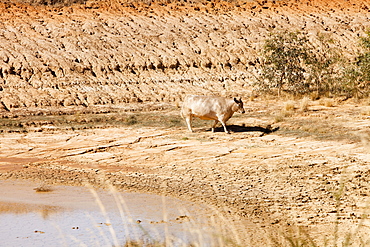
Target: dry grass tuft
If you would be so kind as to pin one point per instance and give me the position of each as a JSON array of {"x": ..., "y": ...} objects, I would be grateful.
[
  {"x": 278, "y": 118},
  {"x": 365, "y": 139},
  {"x": 286, "y": 111},
  {"x": 327, "y": 102},
  {"x": 253, "y": 96},
  {"x": 289, "y": 106},
  {"x": 304, "y": 104},
  {"x": 365, "y": 111},
  {"x": 43, "y": 188},
  {"x": 142, "y": 244}
]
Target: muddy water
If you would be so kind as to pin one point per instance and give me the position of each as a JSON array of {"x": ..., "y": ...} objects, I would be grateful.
[{"x": 78, "y": 216}]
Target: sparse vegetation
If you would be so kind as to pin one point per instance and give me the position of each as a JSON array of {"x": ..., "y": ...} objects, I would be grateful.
[
  {"x": 366, "y": 111},
  {"x": 304, "y": 104},
  {"x": 285, "y": 54},
  {"x": 328, "y": 102},
  {"x": 43, "y": 188},
  {"x": 323, "y": 66},
  {"x": 293, "y": 64},
  {"x": 279, "y": 118},
  {"x": 40, "y": 123},
  {"x": 356, "y": 80},
  {"x": 141, "y": 244},
  {"x": 131, "y": 120},
  {"x": 286, "y": 111},
  {"x": 55, "y": 3},
  {"x": 289, "y": 106}
]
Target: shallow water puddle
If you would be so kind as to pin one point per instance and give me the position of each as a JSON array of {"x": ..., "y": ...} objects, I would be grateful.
[{"x": 77, "y": 216}]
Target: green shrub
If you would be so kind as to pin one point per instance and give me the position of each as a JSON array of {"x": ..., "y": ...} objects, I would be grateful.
[
  {"x": 294, "y": 64},
  {"x": 356, "y": 80},
  {"x": 324, "y": 66},
  {"x": 284, "y": 54}
]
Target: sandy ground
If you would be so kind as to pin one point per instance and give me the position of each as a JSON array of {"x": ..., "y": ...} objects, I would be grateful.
[{"x": 273, "y": 172}]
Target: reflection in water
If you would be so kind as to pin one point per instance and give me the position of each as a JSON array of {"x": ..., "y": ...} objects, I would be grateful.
[
  {"x": 21, "y": 208},
  {"x": 74, "y": 216}
]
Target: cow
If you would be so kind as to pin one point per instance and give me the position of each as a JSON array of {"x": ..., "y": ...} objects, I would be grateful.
[{"x": 215, "y": 108}]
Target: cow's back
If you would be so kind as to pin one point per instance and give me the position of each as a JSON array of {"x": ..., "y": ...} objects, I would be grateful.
[{"x": 205, "y": 107}]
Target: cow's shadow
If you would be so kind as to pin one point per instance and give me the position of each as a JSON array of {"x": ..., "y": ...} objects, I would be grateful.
[{"x": 242, "y": 128}]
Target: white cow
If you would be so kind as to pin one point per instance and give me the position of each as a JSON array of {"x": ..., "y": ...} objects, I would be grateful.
[{"x": 215, "y": 108}]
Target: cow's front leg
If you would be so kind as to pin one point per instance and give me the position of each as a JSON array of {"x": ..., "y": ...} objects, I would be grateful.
[
  {"x": 214, "y": 125},
  {"x": 188, "y": 122},
  {"x": 224, "y": 124}
]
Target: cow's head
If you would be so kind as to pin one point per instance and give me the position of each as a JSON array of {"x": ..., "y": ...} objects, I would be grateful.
[{"x": 239, "y": 104}]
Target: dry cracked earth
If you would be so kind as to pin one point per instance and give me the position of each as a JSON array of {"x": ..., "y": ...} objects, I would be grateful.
[
  {"x": 89, "y": 93},
  {"x": 309, "y": 169}
]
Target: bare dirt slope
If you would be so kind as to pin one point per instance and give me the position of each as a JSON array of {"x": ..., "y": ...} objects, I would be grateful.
[
  {"x": 309, "y": 169},
  {"x": 104, "y": 53}
]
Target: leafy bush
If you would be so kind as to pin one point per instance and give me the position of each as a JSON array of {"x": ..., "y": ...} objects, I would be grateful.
[
  {"x": 356, "y": 81},
  {"x": 363, "y": 60},
  {"x": 325, "y": 65},
  {"x": 285, "y": 54},
  {"x": 294, "y": 64}
]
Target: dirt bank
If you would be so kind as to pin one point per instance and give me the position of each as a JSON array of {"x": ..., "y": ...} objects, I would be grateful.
[
  {"x": 286, "y": 172},
  {"x": 99, "y": 53}
]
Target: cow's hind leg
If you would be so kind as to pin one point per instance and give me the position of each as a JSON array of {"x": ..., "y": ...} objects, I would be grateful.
[
  {"x": 214, "y": 125},
  {"x": 188, "y": 120}
]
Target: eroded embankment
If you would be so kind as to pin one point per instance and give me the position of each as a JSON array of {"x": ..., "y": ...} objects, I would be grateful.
[{"x": 96, "y": 53}]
